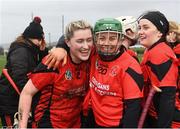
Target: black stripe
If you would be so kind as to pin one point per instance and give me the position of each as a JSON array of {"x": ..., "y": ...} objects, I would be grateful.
[
  {"x": 178, "y": 56},
  {"x": 138, "y": 78},
  {"x": 41, "y": 68},
  {"x": 160, "y": 70},
  {"x": 45, "y": 121}
]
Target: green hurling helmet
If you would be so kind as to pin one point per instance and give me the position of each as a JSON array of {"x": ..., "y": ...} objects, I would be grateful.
[
  {"x": 107, "y": 24},
  {"x": 108, "y": 33}
]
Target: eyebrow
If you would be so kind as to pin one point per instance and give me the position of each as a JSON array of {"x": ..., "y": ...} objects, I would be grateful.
[
  {"x": 145, "y": 24},
  {"x": 85, "y": 38}
]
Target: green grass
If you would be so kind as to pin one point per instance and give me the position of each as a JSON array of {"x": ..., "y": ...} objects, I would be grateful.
[
  {"x": 140, "y": 52},
  {"x": 2, "y": 62},
  {"x": 140, "y": 57}
]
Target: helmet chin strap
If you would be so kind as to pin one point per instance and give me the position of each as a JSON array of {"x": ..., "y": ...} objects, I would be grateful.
[{"x": 109, "y": 57}]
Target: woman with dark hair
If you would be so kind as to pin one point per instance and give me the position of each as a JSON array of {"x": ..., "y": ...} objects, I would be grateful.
[
  {"x": 23, "y": 56},
  {"x": 159, "y": 67}
]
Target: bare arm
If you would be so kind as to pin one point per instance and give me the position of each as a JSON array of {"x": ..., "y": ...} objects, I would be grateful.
[
  {"x": 55, "y": 56},
  {"x": 25, "y": 103}
]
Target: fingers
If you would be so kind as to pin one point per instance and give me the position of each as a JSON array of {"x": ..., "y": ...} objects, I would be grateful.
[
  {"x": 55, "y": 57},
  {"x": 64, "y": 60},
  {"x": 172, "y": 37},
  {"x": 56, "y": 64},
  {"x": 48, "y": 59},
  {"x": 51, "y": 63}
]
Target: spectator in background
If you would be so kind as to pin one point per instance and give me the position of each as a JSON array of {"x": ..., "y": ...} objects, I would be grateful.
[
  {"x": 24, "y": 55},
  {"x": 174, "y": 42},
  {"x": 172, "y": 36},
  {"x": 178, "y": 36}
]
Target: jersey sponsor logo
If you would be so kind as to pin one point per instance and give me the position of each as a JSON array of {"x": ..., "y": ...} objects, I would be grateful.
[
  {"x": 114, "y": 71},
  {"x": 99, "y": 85},
  {"x": 101, "y": 68},
  {"x": 101, "y": 89},
  {"x": 71, "y": 93},
  {"x": 76, "y": 92},
  {"x": 68, "y": 75}
]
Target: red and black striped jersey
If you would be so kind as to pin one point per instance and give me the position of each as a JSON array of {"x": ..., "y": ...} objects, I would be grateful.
[{"x": 61, "y": 94}]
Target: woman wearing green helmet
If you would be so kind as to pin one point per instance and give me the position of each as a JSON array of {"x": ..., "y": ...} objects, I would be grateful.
[{"x": 116, "y": 80}]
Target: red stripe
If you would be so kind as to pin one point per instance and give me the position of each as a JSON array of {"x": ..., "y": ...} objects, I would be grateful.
[{"x": 8, "y": 120}]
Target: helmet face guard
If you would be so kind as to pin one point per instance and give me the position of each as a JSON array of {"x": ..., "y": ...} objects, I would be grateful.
[
  {"x": 108, "y": 43},
  {"x": 108, "y": 35},
  {"x": 130, "y": 27}
]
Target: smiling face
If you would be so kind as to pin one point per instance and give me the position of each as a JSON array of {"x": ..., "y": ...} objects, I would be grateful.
[
  {"x": 80, "y": 45},
  {"x": 148, "y": 33},
  {"x": 107, "y": 42}
]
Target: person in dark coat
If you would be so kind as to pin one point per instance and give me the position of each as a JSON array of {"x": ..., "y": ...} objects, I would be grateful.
[{"x": 24, "y": 55}]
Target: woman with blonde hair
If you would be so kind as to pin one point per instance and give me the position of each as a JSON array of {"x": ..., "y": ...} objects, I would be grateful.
[
  {"x": 61, "y": 91},
  {"x": 172, "y": 35}
]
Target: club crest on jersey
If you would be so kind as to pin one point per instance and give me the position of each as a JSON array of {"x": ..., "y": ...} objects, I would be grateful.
[
  {"x": 68, "y": 75},
  {"x": 114, "y": 71}
]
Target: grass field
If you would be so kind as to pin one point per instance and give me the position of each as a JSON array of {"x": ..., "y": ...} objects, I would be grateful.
[{"x": 2, "y": 62}]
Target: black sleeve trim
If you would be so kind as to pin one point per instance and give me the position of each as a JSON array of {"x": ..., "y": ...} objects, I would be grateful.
[
  {"x": 164, "y": 103},
  {"x": 41, "y": 68},
  {"x": 178, "y": 56},
  {"x": 138, "y": 78},
  {"x": 136, "y": 59},
  {"x": 160, "y": 70},
  {"x": 131, "y": 113}
]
